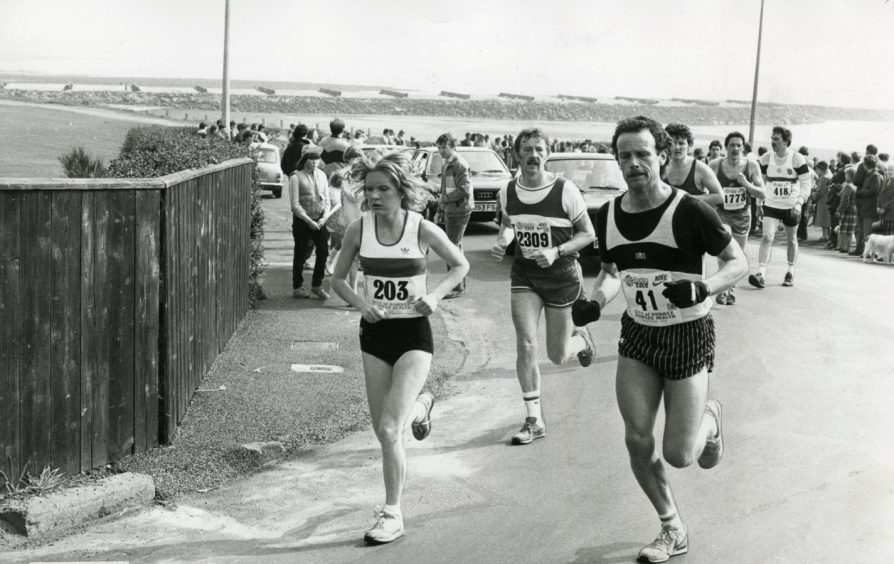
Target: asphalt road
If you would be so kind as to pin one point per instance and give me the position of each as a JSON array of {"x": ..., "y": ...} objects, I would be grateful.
[{"x": 806, "y": 377}]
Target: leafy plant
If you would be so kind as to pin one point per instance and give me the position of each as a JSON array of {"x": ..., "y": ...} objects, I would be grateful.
[
  {"x": 49, "y": 479},
  {"x": 79, "y": 164},
  {"x": 18, "y": 485}
]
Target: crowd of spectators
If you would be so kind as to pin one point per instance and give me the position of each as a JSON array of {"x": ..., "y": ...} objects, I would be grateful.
[{"x": 852, "y": 195}]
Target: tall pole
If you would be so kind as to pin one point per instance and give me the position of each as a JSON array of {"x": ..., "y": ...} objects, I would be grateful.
[
  {"x": 757, "y": 68},
  {"x": 225, "y": 96}
]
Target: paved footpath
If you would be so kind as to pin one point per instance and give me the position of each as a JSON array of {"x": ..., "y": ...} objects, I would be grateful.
[{"x": 806, "y": 378}]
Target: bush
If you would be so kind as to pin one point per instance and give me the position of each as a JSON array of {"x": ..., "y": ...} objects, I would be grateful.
[
  {"x": 79, "y": 164},
  {"x": 150, "y": 152}
]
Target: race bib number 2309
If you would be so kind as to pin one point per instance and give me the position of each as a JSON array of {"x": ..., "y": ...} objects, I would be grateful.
[{"x": 532, "y": 237}]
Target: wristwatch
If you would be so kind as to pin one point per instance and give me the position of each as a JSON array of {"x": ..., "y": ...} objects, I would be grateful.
[{"x": 561, "y": 251}]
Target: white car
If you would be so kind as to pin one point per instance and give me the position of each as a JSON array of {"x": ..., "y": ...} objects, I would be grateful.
[
  {"x": 597, "y": 175},
  {"x": 269, "y": 173}
]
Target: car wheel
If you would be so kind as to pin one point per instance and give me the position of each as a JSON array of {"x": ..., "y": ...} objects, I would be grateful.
[{"x": 277, "y": 192}]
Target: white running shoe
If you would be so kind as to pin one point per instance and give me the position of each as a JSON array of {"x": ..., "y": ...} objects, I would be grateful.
[
  {"x": 387, "y": 528},
  {"x": 669, "y": 542}
]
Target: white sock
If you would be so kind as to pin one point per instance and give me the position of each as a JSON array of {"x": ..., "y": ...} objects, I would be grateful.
[
  {"x": 791, "y": 269},
  {"x": 762, "y": 270},
  {"x": 532, "y": 405},
  {"x": 671, "y": 520},
  {"x": 393, "y": 510}
]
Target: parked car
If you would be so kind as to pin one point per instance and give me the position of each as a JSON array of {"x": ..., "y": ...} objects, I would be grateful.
[
  {"x": 488, "y": 171},
  {"x": 269, "y": 173},
  {"x": 368, "y": 150},
  {"x": 597, "y": 175}
]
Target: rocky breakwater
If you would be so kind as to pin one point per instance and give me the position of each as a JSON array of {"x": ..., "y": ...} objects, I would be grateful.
[{"x": 691, "y": 114}]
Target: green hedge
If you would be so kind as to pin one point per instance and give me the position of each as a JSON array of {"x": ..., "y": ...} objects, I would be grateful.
[{"x": 150, "y": 152}]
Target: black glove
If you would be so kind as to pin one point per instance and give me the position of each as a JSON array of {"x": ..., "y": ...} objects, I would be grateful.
[
  {"x": 685, "y": 293},
  {"x": 584, "y": 311}
]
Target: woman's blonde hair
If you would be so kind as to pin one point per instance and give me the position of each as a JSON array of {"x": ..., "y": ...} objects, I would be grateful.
[{"x": 396, "y": 166}]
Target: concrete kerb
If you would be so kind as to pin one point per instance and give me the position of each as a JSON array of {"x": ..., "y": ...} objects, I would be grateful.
[{"x": 46, "y": 515}]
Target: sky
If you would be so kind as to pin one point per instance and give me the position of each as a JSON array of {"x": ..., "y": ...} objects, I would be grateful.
[{"x": 828, "y": 52}]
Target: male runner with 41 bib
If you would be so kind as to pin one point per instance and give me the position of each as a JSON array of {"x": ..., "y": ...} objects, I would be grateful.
[
  {"x": 788, "y": 187},
  {"x": 653, "y": 240},
  {"x": 548, "y": 218}
]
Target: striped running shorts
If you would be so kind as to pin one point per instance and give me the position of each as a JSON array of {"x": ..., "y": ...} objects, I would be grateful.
[{"x": 675, "y": 351}]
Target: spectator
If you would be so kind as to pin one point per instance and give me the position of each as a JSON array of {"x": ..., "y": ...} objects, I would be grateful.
[
  {"x": 309, "y": 197},
  {"x": 886, "y": 206},
  {"x": 715, "y": 150},
  {"x": 867, "y": 201},
  {"x": 847, "y": 212},
  {"x": 860, "y": 175},
  {"x": 455, "y": 200},
  {"x": 292, "y": 154},
  {"x": 334, "y": 147},
  {"x": 467, "y": 141},
  {"x": 808, "y": 205},
  {"x": 203, "y": 129},
  {"x": 820, "y": 198}
]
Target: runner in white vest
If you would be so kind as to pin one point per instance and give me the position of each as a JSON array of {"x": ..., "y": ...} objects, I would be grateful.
[
  {"x": 653, "y": 240},
  {"x": 392, "y": 243},
  {"x": 788, "y": 182}
]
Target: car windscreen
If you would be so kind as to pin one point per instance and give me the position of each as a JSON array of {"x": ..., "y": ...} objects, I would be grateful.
[
  {"x": 589, "y": 173},
  {"x": 267, "y": 156},
  {"x": 479, "y": 162}
]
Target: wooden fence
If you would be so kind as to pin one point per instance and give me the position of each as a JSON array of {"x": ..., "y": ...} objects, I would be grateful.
[{"x": 115, "y": 298}]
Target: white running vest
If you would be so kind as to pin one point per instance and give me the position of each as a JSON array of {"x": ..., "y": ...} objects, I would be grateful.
[
  {"x": 394, "y": 276},
  {"x": 783, "y": 188}
]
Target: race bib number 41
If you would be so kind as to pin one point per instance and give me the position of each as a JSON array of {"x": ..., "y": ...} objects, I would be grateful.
[
  {"x": 645, "y": 303},
  {"x": 532, "y": 237}
]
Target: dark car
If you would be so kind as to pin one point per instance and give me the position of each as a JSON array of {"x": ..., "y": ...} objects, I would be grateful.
[
  {"x": 488, "y": 171},
  {"x": 597, "y": 175}
]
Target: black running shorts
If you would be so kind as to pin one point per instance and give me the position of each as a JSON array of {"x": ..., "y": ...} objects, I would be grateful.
[
  {"x": 675, "y": 351},
  {"x": 389, "y": 339},
  {"x": 787, "y": 217},
  {"x": 558, "y": 286}
]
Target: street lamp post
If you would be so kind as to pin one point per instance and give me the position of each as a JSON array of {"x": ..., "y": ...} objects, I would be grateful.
[
  {"x": 757, "y": 67},
  {"x": 225, "y": 96}
]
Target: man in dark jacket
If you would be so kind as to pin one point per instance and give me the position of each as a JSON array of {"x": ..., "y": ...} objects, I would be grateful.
[
  {"x": 292, "y": 153},
  {"x": 867, "y": 202}
]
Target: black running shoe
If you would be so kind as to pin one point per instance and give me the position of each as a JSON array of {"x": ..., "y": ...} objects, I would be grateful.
[{"x": 757, "y": 280}]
